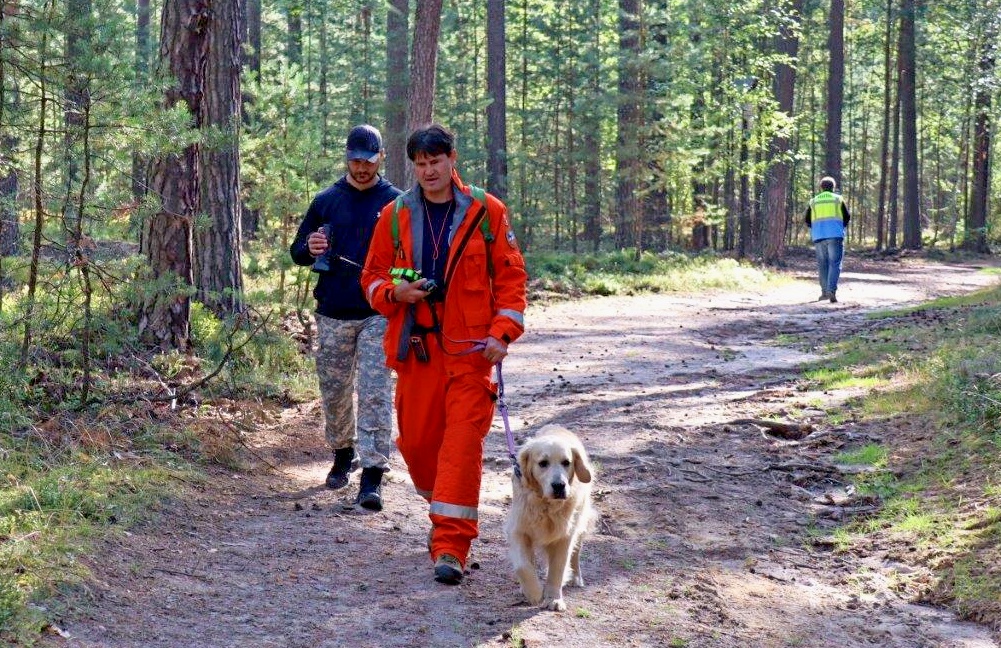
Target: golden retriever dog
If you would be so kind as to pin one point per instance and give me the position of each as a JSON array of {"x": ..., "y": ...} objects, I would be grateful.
[{"x": 550, "y": 514}]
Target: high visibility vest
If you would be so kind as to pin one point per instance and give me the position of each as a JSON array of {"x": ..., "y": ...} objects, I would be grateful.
[{"x": 825, "y": 216}]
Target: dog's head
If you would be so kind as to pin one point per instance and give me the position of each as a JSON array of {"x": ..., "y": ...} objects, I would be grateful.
[{"x": 552, "y": 462}]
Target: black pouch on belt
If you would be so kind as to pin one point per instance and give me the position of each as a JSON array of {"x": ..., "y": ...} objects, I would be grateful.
[{"x": 419, "y": 348}]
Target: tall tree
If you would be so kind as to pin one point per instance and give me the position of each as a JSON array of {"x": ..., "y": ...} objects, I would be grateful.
[
  {"x": 628, "y": 162},
  {"x": 497, "y": 110},
  {"x": 253, "y": 38},
  {"x": 9, "y": 225},
  {"x": 423, "y": 68},
  {"x": 884, "y": 144},
  {"x": 835, "y": 90},
  {"x": 397, "y": 19},
  {"x": 164, "y": 319},
  {"x": 777, "y": 179},
  {"x": 141, "y": 78},
  {"x": 217, "y": 268},
  {"x": 591, "y": 131},
  {"x": 293, "y": 36},
  {"x": 909, "y": 126},
  {"x": 985, "y": 83},
  {"x": 77, "y": 92}
]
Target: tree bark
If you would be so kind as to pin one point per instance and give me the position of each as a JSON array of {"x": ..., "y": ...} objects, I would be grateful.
[
  {"x": 497, "y": 110},
  {"x": 885, "y": 137},
  {"x": 254, "y": 38},
  {"x": 293, "y": 39},
  {"x": 76, "y": 96},
  {"x": 141, "y": 78},
  {"x": 174, "y": 179},
  {"x": 976, "y": 221},
  {"x": 591, "y": 137},
  {"x": 397, "y": 19},
  {"x": 423, "y": 68},
  {"x": 908, "y": 127},
  {"x": 835, "y": 90},
  {"x": 217, "y": 268},
  {"x": 10, "y": 234},
  {"x": 777, "y": 180},
  {"x": 627, "y": 160}
]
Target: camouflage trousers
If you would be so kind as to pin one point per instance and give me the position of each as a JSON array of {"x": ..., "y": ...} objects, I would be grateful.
[{"x": 352, "y": 368}]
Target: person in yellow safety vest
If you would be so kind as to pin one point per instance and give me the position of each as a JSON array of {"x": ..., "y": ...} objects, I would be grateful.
[{"x": 827, "y": 217}]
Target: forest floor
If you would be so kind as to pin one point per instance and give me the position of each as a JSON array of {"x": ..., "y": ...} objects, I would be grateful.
[{"x": 712, "y": 533}]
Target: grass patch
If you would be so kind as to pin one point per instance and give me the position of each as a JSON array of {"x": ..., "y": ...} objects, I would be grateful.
[
  {"x": 870, "y": 454},
  {"x": 934, "y": 375},
  {"x": 621, "y": 273},
  {"x": 54, "y": 501}
]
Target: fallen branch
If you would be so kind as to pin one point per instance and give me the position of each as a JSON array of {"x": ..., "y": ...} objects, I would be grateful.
[{"x": 794, "y": 431}]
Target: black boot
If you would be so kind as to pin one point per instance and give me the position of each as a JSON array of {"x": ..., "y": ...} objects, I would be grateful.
[
  {"x": 344, "y": 464},
  {"x": 370, "y": 491}
]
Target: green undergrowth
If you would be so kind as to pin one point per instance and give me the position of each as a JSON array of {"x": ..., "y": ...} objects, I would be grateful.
[
  {"x": 933, "y": 374},
  {"x": 61, "y": 488},
  {"x": 621, "y": 273},
  {"x": 74, "y": 470}
]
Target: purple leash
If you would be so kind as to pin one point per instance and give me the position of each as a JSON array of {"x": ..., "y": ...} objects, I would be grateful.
[{"x": 502, "y": 406}]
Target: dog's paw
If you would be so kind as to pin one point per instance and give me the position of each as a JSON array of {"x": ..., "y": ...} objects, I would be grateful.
[
  {"x": 532, "y": 594},
  {"x": 556, "y": 605}
]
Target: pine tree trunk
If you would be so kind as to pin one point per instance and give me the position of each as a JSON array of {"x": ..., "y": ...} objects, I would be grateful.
[
  {"x": 835, "y": 91},
  {"x": 9, "y": 226},
  {"x": 166, "y": 240},
  {"x": 976, "y": 221},
  {"x": 884, "y": 144},
  {"x": 908, "y": 127},
  {"x": 592, "y": 135},
  {"x": 423, "y": 67},
  {"x": 141, "y": 78},
  {"x": 777, "y": 180},
  {"x": 629, "y": 122},
  {"x": 397, "y": 19},
  {"x": 76, "y": 98},
  {"x": 217, "y": 270},
  {"x": 254, "y": 38},
  {"x": 497, "y": 90},
  {"x": 293, "y": 38}
]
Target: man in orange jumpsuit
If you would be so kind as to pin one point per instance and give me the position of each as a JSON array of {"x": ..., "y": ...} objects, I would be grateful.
[{"x": 444, "y": 268}]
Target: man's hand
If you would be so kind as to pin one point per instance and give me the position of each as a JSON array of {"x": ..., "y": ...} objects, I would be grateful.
[
  {"x": 317, "y": 243},
  {"x": 495, "y": 351},
  {"x": 410, "y": 292}
]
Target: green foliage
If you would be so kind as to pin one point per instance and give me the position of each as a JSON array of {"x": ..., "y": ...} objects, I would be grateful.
[{"x": 619, "y": 273}]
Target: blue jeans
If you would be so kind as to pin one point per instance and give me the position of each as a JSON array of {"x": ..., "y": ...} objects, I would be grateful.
[{"x": 830, "y": 252}]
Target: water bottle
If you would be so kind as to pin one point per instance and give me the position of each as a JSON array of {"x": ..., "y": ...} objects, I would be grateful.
[{"x": 322, "y": 262}]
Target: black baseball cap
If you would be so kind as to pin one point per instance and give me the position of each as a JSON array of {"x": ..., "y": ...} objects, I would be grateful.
[{"x": 364, "y": 143}]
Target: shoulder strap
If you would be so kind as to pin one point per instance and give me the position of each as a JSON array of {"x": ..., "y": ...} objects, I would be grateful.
[
  {"x": 479, "y": 194},
  {"x": 481, "y": 215},
  {"x": 395, "y": 222}
]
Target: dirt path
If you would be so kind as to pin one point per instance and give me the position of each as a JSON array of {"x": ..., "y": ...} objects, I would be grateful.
[{"x": 703, "y": 536}]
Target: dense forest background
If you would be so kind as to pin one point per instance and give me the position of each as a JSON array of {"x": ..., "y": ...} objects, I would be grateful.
[{"x": 157, "y": 156}]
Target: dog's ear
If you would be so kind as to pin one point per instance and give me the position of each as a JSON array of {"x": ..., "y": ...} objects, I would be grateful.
[
  {"x": 527, "y": 474},
  {"x": 581, "y": 465}
]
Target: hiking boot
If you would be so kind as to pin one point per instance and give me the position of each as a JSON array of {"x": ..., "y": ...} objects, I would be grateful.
[
  {"x": 344, "y": 464},
  {"x": 834, "y": 299},
  {"x": 370, "y": 490},
  {"x": 448, "y": 570},
  {"x": 823, "y": 296}
]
